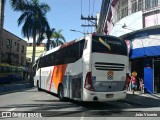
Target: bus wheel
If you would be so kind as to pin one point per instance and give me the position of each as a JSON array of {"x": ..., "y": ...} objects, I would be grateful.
[
  {"x": 61, "y": 93},
  {"x": 39, "y": 89}
]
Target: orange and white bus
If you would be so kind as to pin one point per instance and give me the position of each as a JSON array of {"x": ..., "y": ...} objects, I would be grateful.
[{"x": 89, "y": 69}]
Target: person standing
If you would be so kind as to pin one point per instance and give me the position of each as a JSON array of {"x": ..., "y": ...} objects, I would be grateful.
[
  {"x": 134, "y": 81},
  {"x": 141, "y": 84},
  {"x": 128, "y": 80}
]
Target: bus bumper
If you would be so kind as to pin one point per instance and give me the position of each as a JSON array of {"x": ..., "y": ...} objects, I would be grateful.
[{"x": 103, "y": 96}]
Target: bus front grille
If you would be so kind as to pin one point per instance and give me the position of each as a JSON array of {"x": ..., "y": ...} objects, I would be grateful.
[{"x": 109, "y": 66}]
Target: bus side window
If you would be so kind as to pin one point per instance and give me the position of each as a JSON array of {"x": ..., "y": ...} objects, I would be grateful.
[
  {"x": 76, "y": 51},
  {"x": 81, "y": 48},
  {"x": 40, "y": 63},
  {"x": 85, "y": 44},
  {"x": 70, "y": 55}
]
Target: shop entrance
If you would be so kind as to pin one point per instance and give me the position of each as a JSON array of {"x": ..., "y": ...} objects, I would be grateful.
[
  {"x": 138, "y": 66},
  {"x": 157, "y": 76}
]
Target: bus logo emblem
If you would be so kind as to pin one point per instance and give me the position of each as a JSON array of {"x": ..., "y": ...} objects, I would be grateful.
[{"x": 110, "y": 75}]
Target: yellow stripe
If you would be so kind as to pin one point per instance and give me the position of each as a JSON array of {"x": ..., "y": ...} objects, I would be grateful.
[{"x": 105, "y": 44}]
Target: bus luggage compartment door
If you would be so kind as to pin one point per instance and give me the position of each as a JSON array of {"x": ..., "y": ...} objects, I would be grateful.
[{"x": 77, "y": 88}]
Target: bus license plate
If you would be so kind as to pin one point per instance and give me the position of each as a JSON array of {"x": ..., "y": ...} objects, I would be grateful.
[{"x": 109, "y": 95}]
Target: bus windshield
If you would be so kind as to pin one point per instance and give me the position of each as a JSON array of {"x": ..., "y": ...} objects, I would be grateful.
[{"x": 108, "y": 44}]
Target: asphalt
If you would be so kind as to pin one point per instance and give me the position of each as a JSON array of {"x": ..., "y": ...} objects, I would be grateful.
[
  {"x": 138, "y": 98},
  {"x": 150, "y": 100}
]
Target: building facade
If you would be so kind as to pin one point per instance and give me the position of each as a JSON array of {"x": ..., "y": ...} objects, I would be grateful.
[
  {"x": 39, "y": 50},
  {"x": 12, "y": 49},
  {"x": 138, "y": 23}
]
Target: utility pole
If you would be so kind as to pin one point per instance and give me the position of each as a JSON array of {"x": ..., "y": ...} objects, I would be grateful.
[{"x": 91, "y": 19}]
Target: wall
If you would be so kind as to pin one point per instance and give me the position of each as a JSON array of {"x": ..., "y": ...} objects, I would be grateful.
[
  {"x": 10, "y": 52},
  {"x": 39, "y": 51},
  {"x": 152, "y": 19},
  {"x": 147, "y": 45},
  {"x": 133, "y": 22}
]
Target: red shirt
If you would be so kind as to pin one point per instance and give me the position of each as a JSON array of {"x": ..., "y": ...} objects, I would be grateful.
[{"x": 134, "y": 80}]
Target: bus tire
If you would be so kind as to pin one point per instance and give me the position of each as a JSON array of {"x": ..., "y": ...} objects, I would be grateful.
[
  {"x": 39, "y": 89},
  {"x": 61, "y": 93}
]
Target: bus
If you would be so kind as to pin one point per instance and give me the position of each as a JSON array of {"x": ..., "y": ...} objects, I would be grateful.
[{"x": 92, "y": 68}]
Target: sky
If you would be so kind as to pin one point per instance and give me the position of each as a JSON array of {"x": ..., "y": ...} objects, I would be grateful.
[{"x": 64, "y": 14}]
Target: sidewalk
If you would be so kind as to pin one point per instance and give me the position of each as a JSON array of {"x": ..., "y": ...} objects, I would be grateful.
[
  {"x": 143, "y": 99},
  {"x": 12, "y": 87}
]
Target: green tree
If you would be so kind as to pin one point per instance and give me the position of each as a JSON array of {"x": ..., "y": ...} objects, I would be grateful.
[
  {"x": 58, "y": 39},
  {"x": 54, "y": 38},
  {"x": 33, "y": 20},
  {"x": 49, "y": 33},
  {"x": 18, "y": 5},
  {"x": 2, "y": 2}
]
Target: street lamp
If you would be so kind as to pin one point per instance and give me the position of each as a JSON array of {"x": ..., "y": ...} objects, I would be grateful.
[
  {"x": 77, "y": 31},
  {"x": 126, "y": 27}
]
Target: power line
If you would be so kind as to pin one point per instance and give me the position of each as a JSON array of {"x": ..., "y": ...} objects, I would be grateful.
[
  {"x": 89, "y": 7},
  {"x": 93, "y": 7},
  {"x": 81, "y": 7},
  {"x": 88, "y": 20},
  {"x": 92, "y": 21}
]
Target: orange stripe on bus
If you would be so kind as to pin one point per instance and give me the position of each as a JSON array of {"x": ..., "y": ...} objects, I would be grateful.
[
  {"x": 58, "y": 74},
  {"x": 50, "y": 82},
  {"x": 59, "y": 70}
]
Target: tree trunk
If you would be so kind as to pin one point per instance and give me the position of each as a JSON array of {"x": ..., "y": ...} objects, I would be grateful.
[
  {"x": 1, "y": 25},
  {"x": 33, "y": 60}
]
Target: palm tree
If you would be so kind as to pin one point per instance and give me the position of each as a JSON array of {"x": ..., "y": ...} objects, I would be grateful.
[
  {"x": 18, "y": 4},
  {"x": 49, "y": 33},
  {"x": 15, "y": 4},
  {"x": 54, "y": 38},
  {"x": 34, "y": 21},
  {"x": 58, "y": 39},
  {"x": 2, "y": 2}
]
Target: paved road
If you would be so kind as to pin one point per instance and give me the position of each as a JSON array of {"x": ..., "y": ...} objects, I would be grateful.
[{"x": 48, "y": 104}]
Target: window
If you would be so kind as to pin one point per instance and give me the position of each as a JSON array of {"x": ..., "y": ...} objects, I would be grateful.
[
  {"x": 2, "y": 41},
  {"x": 124, "y": 8},
  {"x": 134, "y": 6},
  {"x": 154, "y": 3},
  {"x": 22, "y": 48},
  {"x": 17, "y": 47},
  {"x": 140, "y": 5},
  {"x": 9, "y": 43},
  {"x": 69, "y": 54},
  {"x": 137, "y": 5},
  {"x": 118, "y": 12},
  {"x": 147, "y": 4},
  {"x": 114, "y": 45},
  {"x": 121, "y": 10}
]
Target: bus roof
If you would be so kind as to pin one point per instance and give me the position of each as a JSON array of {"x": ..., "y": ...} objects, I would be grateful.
[
  {"x": 71, "y": 42},
  {"x": 61, "y": 46}
]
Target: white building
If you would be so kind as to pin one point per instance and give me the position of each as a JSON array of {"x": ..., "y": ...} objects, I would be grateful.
[{"x": 138, "y": 22}]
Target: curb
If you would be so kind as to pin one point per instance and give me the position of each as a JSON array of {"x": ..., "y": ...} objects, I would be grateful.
[
  {"x": 143, "y": 99},
  {"x": 11, "y": 88}
]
